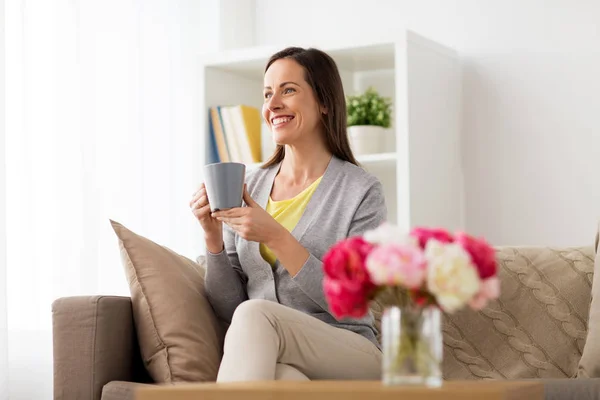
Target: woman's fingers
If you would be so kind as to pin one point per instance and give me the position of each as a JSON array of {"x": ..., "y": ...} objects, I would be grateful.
[
  {"x": 202, "y": 212},
  {"x": 194, "y": 199},
  {"x": 201, "y": 202},
  {"x": 197, "y": 197},
  {"x": 236, "y": 212},
  {"x": 232, "y": 221},
  {"x": 199, "y": 193}
]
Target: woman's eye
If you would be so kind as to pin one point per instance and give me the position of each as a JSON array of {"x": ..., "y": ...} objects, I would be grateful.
[
  {"x": 288, "y": 90},
  {"x": 267, "y": 95}
]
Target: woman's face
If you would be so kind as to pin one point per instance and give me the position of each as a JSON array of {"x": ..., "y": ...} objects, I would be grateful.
[{"x": 290, "y": 106}]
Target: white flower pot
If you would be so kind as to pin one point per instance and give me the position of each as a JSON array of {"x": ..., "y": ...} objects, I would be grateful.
[{"x": 367, "y": 139}]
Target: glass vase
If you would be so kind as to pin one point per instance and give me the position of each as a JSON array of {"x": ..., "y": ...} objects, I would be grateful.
[{"x": 412, "y": 346}]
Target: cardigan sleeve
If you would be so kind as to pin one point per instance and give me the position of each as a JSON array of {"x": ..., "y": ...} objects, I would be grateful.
[
  {"x": 225, "y": 281},
  {"x": 370, "y": 213}
]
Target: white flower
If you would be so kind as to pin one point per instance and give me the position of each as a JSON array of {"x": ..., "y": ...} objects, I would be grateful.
[
  {"x": 451, "y": 277},
  {"x": 387, "y": 233}
]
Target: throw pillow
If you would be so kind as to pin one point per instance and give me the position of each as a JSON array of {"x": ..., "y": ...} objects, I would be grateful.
[
  {"x": 589, "y": 365},
  {"x": 536, "y": 329},
  {"x": 179, "y": 336}
]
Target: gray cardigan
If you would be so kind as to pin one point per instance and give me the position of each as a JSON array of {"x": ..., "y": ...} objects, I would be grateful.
[{"x": 347, "y": 202}]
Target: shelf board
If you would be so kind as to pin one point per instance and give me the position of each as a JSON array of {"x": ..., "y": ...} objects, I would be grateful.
[
  {"x": 362, "y": 56},
  {"x": 250, "y": 62}
]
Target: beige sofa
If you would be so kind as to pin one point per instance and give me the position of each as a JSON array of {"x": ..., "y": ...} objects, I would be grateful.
[{"x": 536, "y": 330}]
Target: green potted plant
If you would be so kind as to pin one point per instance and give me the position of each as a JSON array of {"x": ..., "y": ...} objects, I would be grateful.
[{"x": 369, "y": 116}]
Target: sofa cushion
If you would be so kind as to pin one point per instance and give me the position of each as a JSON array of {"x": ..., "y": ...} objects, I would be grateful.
[
  {"x": 589, "y": 366},
  {"x": 180, "y": 338},
  {"x": 536, "y": 329}
]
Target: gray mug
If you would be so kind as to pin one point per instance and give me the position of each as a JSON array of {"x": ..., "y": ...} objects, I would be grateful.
[{"x": 224, "y": 184}]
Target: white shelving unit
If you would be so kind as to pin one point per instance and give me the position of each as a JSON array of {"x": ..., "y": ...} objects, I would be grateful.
[{"x": 422, "y": 172}]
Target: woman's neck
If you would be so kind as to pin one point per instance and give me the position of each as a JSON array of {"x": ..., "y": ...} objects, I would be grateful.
[{"x": 299, "y": 167}]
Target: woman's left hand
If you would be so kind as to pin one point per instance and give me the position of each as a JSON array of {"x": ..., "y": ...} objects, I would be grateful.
[{"x": 252, "y": 222}]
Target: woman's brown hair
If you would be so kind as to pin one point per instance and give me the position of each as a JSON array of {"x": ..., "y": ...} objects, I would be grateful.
[{"x": 321, "y": 73}]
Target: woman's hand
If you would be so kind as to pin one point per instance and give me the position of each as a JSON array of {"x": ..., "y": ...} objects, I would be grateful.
[
  {"x": 252, "y": 222},
  {"x": 213, "y": 229}
]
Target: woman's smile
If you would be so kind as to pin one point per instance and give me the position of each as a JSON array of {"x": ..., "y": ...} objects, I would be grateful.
[{"x": 281, "y": 121}]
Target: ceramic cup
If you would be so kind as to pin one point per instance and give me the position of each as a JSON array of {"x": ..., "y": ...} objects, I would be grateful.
[{"x": 224, "y": 184}]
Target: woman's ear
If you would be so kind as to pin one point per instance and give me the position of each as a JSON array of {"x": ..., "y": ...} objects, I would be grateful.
[{"x": 324, "y": 110}]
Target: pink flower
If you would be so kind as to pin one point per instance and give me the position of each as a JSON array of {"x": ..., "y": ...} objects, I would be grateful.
[
  {"x": 346, "y": 260},
  {"x": 347, "y": 284},
  {"x": 397, "y": 265},
  {"x": 424, "y": 234},
  {"x": 482, "y": 254},
  {"x": 345, "y": 299},
  {"x": 489, "y": 290}
]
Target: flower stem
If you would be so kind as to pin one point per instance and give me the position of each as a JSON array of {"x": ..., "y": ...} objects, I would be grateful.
[{"x": 414, "y": 355}]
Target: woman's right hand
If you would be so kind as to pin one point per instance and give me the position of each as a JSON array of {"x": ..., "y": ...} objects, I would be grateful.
[{"x": 213, "y": 229}]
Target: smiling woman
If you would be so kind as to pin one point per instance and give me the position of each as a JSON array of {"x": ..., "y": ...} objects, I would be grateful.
[{"x": 264, "y": 269}]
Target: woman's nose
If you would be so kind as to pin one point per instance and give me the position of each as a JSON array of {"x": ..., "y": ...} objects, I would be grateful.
[{"x": 274, "y": 103}]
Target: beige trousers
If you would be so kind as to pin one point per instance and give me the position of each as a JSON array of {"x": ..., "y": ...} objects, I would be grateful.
[{"x": 269, "y": 341}]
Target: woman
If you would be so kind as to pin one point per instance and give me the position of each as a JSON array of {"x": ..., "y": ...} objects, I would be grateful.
[{"x": 264, "y": 273}]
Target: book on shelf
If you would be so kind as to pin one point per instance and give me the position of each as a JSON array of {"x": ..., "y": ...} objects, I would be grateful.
[{"x": 235, "y": 134}]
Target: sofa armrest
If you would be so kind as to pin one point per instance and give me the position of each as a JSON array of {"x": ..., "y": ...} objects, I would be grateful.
[{"x": 93, "y": 343}]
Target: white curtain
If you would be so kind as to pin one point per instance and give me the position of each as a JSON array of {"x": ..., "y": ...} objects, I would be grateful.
[
  {"x": 3, "y": 326},
  {"x": 100, "y": 123}
]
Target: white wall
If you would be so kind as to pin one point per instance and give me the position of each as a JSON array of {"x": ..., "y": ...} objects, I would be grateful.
[
  {"x": 236, "y": 24},
  {"x": 532, "y": 136}
]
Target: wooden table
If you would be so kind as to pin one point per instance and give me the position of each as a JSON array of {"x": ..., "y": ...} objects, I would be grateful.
[{"x": 344, "y": 390}]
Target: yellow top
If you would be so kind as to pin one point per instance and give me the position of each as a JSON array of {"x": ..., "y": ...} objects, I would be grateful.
[{"x": 287, "y": 213}]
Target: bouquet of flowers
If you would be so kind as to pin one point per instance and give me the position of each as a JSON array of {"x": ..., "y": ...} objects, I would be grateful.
[
  {"x": 417, "y": 275},
  {"x": 426, "y": 267}
]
